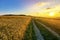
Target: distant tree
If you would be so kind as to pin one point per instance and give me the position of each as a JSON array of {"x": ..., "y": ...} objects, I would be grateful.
[{"x": 14, "y": 15}]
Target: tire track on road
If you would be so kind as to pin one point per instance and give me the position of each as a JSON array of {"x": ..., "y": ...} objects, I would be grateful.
[
  {"x": 37, "y": 32},
  {"x": 53, "y": 32}
]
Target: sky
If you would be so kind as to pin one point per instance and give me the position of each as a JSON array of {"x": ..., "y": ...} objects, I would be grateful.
[
  {"x": 31, "y": 7},
  {"x": 10, "y": 6}
]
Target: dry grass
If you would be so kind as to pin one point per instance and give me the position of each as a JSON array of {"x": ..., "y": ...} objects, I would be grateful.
[{"x": 13, "y": 27}]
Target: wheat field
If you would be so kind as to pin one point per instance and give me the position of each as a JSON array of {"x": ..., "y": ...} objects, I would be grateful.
[{"x": 13, "y": 27}]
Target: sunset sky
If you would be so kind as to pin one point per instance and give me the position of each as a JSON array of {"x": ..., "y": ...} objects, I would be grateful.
[{"x": 30, "y": 7}]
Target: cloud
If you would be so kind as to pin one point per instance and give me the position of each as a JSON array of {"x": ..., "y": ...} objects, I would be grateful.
[
  {"x": 55, "y": 8},
  {"x": 37, "y": 6}
]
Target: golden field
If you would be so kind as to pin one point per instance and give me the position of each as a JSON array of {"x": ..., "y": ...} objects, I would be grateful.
[{"x": 13, "y": 27}]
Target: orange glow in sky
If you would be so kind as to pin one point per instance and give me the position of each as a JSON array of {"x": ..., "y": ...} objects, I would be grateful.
[{"x": 42, "y": 10}]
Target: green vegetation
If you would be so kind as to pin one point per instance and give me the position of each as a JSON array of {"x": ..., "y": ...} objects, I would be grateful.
[
  {"x": 51, "y": 23},
  {"x": 30, "y": 34},
  {"x": 45, "y": 33}
]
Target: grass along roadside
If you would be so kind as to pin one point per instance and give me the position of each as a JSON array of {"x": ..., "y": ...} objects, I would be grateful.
[
  {"x": 30, "y": 34},
  {"x": 37, "y": 32},
  {"x": 51, "y": 24},
  {"x": 45, "y": 33}
]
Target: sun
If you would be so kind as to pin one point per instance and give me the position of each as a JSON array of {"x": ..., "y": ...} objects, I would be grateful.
[{"x": 51, "y": 14}]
